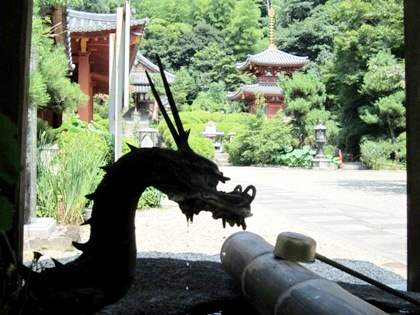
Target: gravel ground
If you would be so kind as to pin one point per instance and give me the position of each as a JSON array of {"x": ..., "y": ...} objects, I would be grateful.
[{"x": 164, "y": 232}]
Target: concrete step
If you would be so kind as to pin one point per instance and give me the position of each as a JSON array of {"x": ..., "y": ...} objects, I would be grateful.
[
  {"x": 353, "y": 166},
  {"x": 221, "y": 159}
]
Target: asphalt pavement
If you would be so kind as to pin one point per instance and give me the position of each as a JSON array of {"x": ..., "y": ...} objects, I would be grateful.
[{"x": 358, "y": 215}]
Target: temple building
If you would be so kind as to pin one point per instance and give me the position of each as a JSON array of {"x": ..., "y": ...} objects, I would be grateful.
[
  {"x": 140, "y": 87},
  {"x": 266, "y": 66},
  {"x": 90, "y": 40}
]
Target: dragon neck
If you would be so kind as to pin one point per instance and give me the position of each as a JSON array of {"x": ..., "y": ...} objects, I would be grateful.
[{"x": 115, "y": 202}]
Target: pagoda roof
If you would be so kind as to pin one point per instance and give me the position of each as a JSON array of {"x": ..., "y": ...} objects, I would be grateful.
[
  {"x": 273, "y": 57},
  {"x": 266, "y": 89},
  {"x": 78, "y": 21}
]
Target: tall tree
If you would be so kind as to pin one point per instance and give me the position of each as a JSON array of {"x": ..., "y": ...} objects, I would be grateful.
[
  {"x": 304, "y": 96},
  {"x": 50, "y": 85},
  {"x": 307, "y": 29},
  {"x": 195, "y": 40},
  {"x": 365, "y": 28},
  {"x": 243, "y": 31},
  {"x": 164, "y": 38},
  {"x": 385, "y": 80},
  {"x": 219, "y": 12}
]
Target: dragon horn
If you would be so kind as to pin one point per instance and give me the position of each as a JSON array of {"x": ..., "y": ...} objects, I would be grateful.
[
  {"x": 171, "y": 101},
  {"x": 164, "y": 113}
]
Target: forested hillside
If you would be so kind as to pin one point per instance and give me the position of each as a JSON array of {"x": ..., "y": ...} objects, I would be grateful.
[{"x": 355, "y": 47}]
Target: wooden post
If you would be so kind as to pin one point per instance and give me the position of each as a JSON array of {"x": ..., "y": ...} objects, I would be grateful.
[
  {"x": 119, "y": 55},
  {"x": 14, "y": 82},
  {"x": 412, "y": 58},
  {"x": 85, "y": 111}
]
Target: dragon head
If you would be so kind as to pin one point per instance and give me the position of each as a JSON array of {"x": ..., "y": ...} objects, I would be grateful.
[{"x": 191, "y": 180}]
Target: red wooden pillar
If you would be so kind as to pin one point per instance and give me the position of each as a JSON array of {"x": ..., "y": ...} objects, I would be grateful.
[{"x": 85, "y": 111}]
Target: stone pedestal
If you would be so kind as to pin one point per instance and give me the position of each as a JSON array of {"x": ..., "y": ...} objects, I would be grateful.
[
  {"x": 39, "y": 227},
  {"x": 321, "y": 162}
]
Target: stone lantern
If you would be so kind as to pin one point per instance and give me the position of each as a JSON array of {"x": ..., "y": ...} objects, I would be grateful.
[{"x": 320, "y": 161}]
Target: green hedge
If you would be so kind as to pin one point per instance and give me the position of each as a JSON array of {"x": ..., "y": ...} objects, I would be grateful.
[{"x": 384, "y": 155}]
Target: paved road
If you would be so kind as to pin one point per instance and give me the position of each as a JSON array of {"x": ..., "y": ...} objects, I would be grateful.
[{"x": 364, "y": 208}]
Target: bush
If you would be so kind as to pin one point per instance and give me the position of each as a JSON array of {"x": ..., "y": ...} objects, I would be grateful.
[
  {"x": 195, "y": 122},
  {"x": 260, "y": 142},
  {"x": 383, "y": 155},
  {"x": 150, "y": 198},
  {"x": 66, "y": 177},
  {"x": 297, "y": 157}
]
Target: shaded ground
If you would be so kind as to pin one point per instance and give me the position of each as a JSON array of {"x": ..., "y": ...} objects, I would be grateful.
[{"x": 173, "y": 286}]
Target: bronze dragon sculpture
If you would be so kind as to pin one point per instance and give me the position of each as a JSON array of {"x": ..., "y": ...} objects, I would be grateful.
[{"x": 104, "y": 271}]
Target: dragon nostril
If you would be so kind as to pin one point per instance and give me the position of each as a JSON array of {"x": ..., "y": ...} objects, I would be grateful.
[
  {"x": 238, "y": 188},
  {"x": 254, "y": 191},
  {"x": 247, "y": 197}
]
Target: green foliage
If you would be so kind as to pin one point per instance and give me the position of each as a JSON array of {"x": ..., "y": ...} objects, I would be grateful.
[
  {"x": 66, "y": 177},
  {"x": 100, "y": 106},
  {"x": 242, "y": 30},
  {"x": 50, "y": 87},
  {"x": 385, "y": 74},
  {"x": 307, "y": 28},
  {"x": 261, "y": 142},
  {"x": 196, "y": 124},
  {"x": 213, "y": 100},
  {"x": 184, "y": 89},
  {"x": 164, "y": 38},
  {"x": 305, "y": 95},
  {"x": 385, "y": 81},
  {"x": 297, "y": 157},
  {"x": 388, "y": 112},
  {"x": 202, "y": 145},
  {"x": 98, "y": 6},
  {"x": 383, "y": 154},
  {"x": 126, "y": 142},
  {"x": 150, "y": 198},
  {"x": 368, "y": 31}
]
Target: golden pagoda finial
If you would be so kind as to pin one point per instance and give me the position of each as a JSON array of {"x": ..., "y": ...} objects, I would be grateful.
[{"x": 271, "y": 32}]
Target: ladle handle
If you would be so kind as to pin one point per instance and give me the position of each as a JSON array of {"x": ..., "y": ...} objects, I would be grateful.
[{"x": 367, "y": 279}]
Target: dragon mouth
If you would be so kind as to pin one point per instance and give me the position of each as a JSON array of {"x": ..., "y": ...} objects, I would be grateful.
[{"x": 232, "y": 207}]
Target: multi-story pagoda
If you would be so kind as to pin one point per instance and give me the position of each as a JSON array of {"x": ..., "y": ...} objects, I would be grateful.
[{"x": 266, "y": 66}]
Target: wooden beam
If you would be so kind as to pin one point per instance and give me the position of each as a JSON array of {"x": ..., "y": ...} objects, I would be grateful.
[
  {"x": 412, "y": 57},
  {"x": 14, "y": 82}
]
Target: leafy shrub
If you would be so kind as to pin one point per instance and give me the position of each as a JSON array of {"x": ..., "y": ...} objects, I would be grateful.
[
  {"x": 195, "y": 122},
  {"x": 384, "y": 155},
  {"x": 66, "y": 177},
  {"x": 150, "y": 198},
  {"x": 261, "y": 141},
  {"x": 126, "y": 142},
  {"x": 297, "y": 157}
]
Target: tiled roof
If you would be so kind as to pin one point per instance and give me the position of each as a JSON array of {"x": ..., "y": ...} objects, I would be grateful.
[
  {"x": 266, "y": 89},
  {"x": 78, "y": 21},
  {"x": 140, "y": 88},
  {"x": 140, "y": 78},
  {"x": 272, "y": 56}
]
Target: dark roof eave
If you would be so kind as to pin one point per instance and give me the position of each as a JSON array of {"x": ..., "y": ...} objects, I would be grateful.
[{"x": 79, "y": 22}]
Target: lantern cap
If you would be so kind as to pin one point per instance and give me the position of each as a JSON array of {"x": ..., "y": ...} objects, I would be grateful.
[{"x": 320, "y": 126}]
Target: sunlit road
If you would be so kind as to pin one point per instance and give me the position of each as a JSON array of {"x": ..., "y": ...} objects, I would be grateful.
[{"x": 360, "y": 207}]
